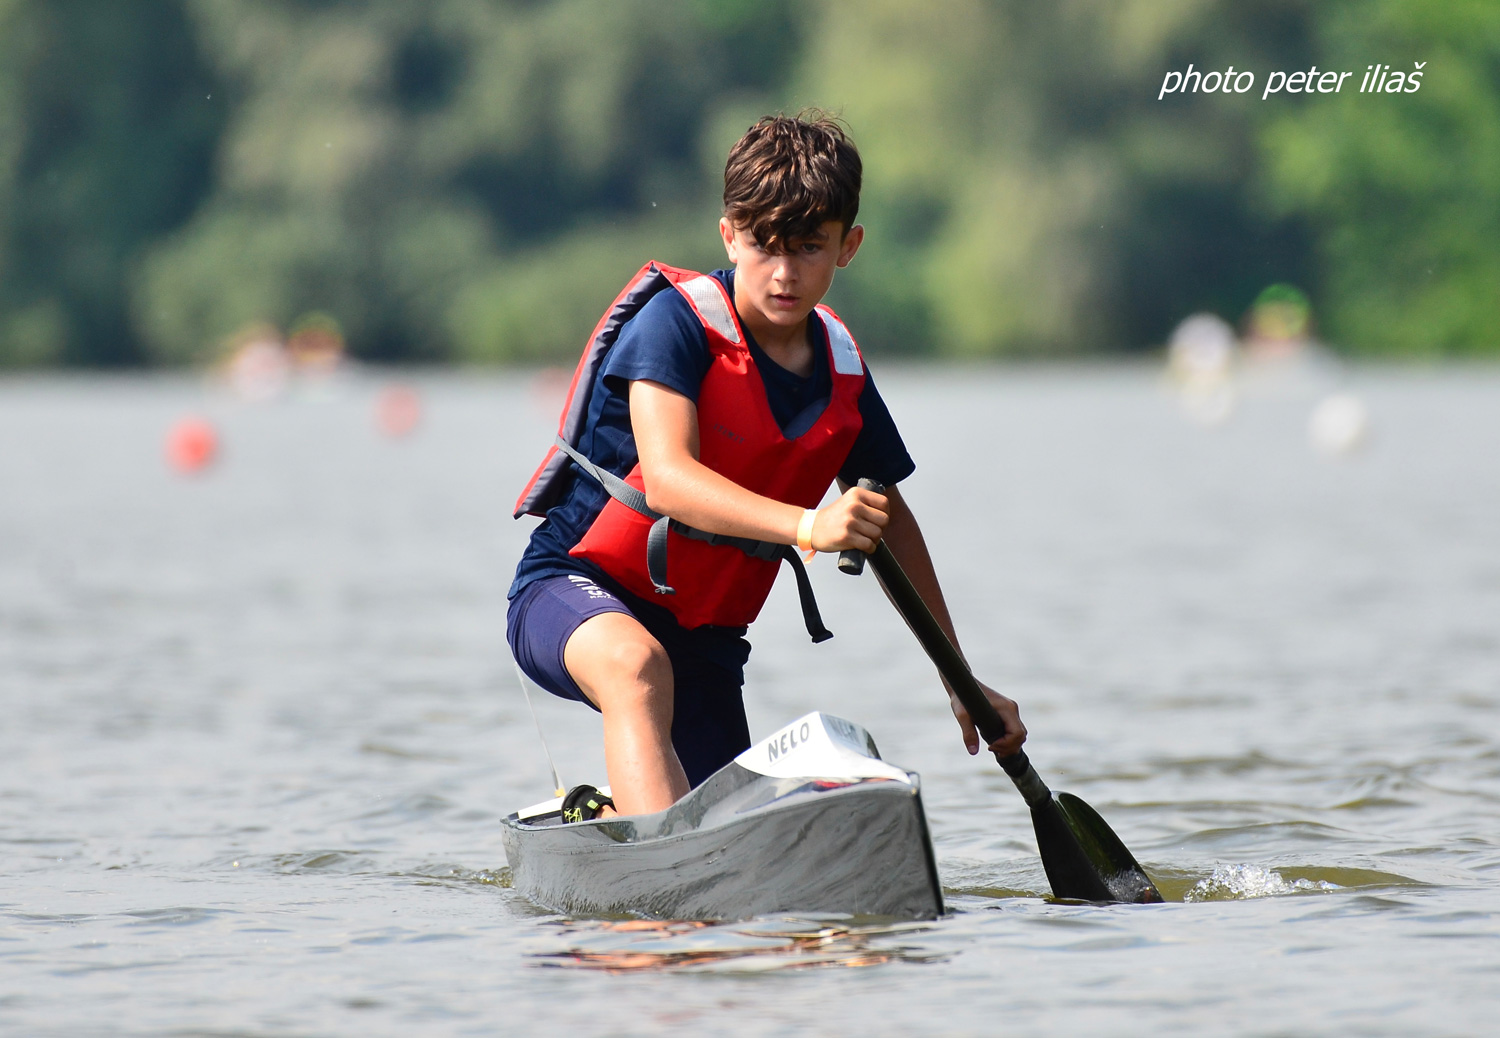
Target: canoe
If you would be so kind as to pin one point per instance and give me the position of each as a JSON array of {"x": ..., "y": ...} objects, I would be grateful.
[{"x": 808, "y": 820}]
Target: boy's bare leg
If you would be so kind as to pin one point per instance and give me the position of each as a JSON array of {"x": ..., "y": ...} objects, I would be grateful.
[{"x": 626, "y": 673}]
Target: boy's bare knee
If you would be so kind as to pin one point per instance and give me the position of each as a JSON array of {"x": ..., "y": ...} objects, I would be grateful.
[
  {"x": 642, "y": 663},
  {"x": 635, "y": 678},
  {"x": 618, "y": 664}
]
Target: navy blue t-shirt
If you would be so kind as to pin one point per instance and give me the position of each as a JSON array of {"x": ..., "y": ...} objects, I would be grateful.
[{"x": 665, "y": 342}]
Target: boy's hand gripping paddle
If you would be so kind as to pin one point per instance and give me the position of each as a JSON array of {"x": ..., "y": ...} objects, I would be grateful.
[{"x": 1084, "y": 859}]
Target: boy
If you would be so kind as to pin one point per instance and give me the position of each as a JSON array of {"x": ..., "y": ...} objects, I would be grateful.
[{"x": 707, "y": 419}]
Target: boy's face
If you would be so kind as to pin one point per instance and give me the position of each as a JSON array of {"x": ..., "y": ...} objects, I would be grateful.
[{"x": 781, "y": 288}]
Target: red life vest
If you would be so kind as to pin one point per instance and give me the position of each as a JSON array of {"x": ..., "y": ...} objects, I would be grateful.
[{"x": 713, "y": 580}]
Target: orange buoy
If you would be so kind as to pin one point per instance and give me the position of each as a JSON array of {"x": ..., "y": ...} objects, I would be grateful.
[
  {"x": 548, "y": 388},
  {"x": 398, "y": 410},
  {"x": 192, "y": 445}
]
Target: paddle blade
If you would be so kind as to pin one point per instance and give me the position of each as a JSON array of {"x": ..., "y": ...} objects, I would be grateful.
[{"x": 1084, "y": 859}]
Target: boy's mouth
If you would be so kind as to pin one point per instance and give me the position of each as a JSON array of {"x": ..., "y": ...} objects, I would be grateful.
[{"x": 784, "y": 300}]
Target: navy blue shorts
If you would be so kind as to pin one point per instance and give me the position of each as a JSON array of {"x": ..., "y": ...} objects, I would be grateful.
[{"x": 708, "y": 712}]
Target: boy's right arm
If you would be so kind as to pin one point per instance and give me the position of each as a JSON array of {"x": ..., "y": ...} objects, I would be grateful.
[{"x": 665, "y": 424}]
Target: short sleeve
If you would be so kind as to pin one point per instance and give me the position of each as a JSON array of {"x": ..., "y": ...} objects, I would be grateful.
[
  {"x": 879, "y": 452},
  {"x": 665, "y": 343}
]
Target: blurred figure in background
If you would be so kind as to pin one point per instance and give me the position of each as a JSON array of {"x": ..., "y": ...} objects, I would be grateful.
[
  {"x": 1278, "y": 325},
  {"x": 316, "y": 346},
  {"x": 258, "y": 367},
  {"x": 262, "y": 365},
  {"x": 1200, "y": 361},
  {"x": 1281, "y": 355}
]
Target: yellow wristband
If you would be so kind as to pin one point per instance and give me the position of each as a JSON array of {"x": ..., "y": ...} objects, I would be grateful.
[{"x": 804, "y": 530}]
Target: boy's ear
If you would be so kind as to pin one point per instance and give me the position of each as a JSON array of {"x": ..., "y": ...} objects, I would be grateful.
[
  {"x": 731, "y": 247},
  {"x": 850, "y": 245}
]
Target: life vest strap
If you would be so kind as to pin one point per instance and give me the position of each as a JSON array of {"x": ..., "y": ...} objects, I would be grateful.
[
  {"x": 656, "y": 542},
  {"x": 755, "y": 549},
  {"x": 656, "y": 556},
  {"x": 810, "y": 615},
  {"x": 618, "y": 489}
]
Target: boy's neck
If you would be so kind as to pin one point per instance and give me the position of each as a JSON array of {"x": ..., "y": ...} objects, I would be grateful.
[{"x": 787, "y": 345}]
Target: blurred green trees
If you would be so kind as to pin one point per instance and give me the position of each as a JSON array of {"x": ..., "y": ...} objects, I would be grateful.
[
  {"x": 106, "y": 143},
  {"x": 1404, "y": 190},
  {"x": 474, "y": 179},
  {"x": 1026, "y": 191},
  {"x": 454, "y": 178}
]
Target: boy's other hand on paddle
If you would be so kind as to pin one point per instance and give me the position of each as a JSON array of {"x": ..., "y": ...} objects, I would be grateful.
[
  {"x": 1015, "y": 731},
  {"x": 855, "y": 520}
]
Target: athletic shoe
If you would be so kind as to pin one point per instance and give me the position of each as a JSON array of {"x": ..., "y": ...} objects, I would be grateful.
[{"x": 584, "y": 803}]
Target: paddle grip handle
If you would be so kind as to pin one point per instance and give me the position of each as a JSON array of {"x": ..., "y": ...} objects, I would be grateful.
[{"x": 852, "y": 560}]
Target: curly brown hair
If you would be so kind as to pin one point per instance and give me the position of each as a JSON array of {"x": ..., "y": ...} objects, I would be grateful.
[{"x": 789, "y": 175}]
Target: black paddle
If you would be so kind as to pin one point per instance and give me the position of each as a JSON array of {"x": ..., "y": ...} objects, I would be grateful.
[{"x": 1084, "y": 859}]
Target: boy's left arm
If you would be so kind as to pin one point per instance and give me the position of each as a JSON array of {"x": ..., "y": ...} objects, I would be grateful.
[{"x": 904, "y": 537}]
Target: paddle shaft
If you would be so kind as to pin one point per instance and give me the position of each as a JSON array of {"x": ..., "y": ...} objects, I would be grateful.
[
  {"x": 952, "y": 666},
  {"x": 1083, "y": 857},
  {"x": 949, "y": 663}
]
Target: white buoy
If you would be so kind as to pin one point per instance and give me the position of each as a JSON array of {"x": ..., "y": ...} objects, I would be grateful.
[{"x": 1339, "y": 425}]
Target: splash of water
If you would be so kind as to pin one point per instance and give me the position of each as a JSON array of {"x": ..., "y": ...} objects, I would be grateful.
[{"x": 1242, "y": 882}]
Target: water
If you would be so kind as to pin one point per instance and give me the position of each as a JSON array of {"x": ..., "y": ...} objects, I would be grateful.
[{"x": 259, "y": 725}]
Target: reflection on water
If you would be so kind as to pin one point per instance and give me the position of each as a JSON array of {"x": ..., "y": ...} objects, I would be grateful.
[
  {"x": 260, "y": 726},
  {"x": 756, "y": 946}
]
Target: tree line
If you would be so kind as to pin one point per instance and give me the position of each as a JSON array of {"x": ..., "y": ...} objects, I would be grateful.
[{"x": 472, "y": 180}]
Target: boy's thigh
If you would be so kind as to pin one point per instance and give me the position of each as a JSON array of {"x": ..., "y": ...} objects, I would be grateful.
[
  {"x": 544, "y": 617},
  {"x": 709, "y": 728}
]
